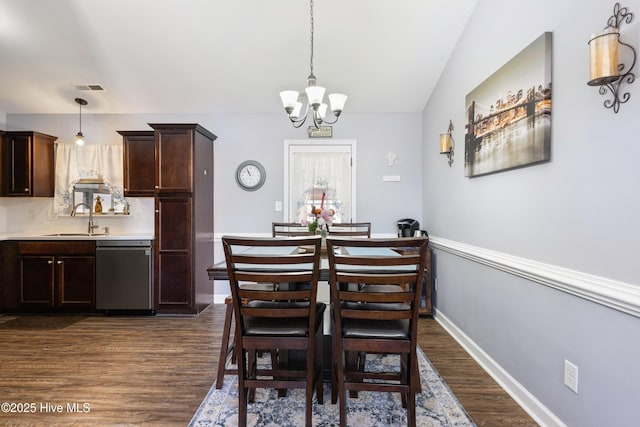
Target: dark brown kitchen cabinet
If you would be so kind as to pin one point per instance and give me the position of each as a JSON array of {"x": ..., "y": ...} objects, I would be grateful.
[
  {"x": 27, "y": 159},
  {"x": 3, "y": 166},
  {"x": 183, "y": 218},
  {"x": 8, "y": 256},
  {"x": 174, "y": 262},
  {"x": 56, "y": 276},
  {"x": 139, "y": 163},
  {"x": 174, "y": 156}
]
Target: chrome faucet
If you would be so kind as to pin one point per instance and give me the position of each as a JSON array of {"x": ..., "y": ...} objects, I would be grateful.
[{"x": 91, "y": 225}]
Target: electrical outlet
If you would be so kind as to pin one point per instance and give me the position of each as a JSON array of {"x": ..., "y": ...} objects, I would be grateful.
[
  {"x": 571, "y": 376},
  {"x": 278, "y": 205}
]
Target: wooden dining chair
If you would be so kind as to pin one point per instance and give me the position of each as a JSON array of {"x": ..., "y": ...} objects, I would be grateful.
[
  {"x": 227, "y": 348},
  {"x": 288, "y": 229},
  {"x": 283, "y": 318},
  {"x": 380, "y": 315},
  {"x": 350, "y": 229}
]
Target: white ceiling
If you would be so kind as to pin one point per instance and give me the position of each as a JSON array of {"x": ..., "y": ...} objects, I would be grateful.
[{"x": 221, "y": 56}]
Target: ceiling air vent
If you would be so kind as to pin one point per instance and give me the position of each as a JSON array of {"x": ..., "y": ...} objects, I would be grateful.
[{"x": 92, "y": 88}]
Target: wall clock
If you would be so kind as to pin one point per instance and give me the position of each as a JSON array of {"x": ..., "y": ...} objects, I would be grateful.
[{"x": 250, "y": 175}]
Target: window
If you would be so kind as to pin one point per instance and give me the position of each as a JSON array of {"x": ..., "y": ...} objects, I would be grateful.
[{"x": 314, "y": 168}]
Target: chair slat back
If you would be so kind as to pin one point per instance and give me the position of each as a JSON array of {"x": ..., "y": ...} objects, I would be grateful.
[
  {"x": 252, "y": 261},
  {"x": 353, "y": 229},
  {"x": 356, "y": 279},
  {"x": 289, "y": 229}
]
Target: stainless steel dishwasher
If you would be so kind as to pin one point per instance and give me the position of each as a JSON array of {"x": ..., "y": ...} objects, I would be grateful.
[{"x": 124, "y": 276}]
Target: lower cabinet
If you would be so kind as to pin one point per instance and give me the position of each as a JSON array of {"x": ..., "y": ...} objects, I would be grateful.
[
  {"x": 174, "y": 289},
  {"x": 56, "y": 276}
]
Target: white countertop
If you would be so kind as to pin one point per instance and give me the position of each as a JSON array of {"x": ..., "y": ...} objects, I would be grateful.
[{"x": 73, "y": 236}]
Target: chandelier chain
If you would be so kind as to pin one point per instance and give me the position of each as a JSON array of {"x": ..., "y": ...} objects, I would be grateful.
[{"x": 311, "y": 60}]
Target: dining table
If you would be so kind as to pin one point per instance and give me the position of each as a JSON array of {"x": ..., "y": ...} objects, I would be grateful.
[{"x": 218, "y": 271}]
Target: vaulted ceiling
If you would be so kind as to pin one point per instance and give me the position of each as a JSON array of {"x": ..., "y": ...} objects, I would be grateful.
[{"x": 221, "y": 56}]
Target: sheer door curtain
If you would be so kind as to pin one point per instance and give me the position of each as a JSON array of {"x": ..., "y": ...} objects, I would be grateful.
[
  {"x": 328, "y": 171},
  {"x": 89, "y": 161}
]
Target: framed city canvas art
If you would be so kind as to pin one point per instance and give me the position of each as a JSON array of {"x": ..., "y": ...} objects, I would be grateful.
[{"x": 509, "y": 114}]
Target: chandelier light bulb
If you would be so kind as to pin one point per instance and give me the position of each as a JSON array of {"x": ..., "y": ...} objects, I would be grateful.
[
  {"x": 289, "y": 99},
  {"x": 337, "y": 101},
  {"x": 297, "y": 109}
]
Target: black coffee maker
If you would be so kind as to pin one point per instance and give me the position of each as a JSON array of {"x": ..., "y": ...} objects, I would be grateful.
[{"x": 407, "y": 227}]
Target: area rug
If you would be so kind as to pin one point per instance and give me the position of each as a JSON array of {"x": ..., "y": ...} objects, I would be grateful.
[{"x": 436, "y": 406}]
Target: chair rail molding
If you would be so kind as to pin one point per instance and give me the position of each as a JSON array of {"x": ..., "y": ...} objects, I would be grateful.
[{"x": 620, "y": 296}]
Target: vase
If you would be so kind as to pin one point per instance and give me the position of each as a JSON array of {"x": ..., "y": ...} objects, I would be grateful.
[{"x": 322, "y": 232}]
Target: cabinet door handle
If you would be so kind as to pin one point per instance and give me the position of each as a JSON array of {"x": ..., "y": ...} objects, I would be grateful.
[
  {"x": 26, "y": 190},
  {"x": 157, "y": 211},
  {"x": 49, "y": 262},
  {"x": 59, "y": 262},
  {"x": 157, "y": 186}
]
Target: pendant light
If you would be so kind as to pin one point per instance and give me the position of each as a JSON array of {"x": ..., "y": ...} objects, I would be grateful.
[
  {"x": 315, "y": 95},
  {"x": 79, "y": 135}
]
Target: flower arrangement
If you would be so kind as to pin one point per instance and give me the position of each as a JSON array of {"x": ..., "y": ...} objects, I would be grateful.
[{"x": 321, "y": 217}]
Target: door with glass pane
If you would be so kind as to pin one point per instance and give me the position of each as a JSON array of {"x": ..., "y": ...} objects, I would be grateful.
[{"x": 320, "y": 172}]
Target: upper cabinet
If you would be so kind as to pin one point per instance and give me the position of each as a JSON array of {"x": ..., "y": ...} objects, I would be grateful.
[
  {"x": 175, "y": 156},
  {"x": 139, "y": 163},
  {"x": 27, "y": 164}
]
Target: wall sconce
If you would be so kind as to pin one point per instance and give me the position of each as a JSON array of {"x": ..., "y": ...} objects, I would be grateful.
[
  {"x": 605, "y": 70},
  {"x": 446, "y": 143}
]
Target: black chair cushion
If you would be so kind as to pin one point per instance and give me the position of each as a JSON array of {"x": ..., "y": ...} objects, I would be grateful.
[
  {"x": 387, "y": 329},
  {"x": 293, "y": 327}
]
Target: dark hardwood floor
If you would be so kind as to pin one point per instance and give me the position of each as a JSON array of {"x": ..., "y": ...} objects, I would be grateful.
[
  {"x": 117, "y": 370},
  {"x": 483, "y": 399}
]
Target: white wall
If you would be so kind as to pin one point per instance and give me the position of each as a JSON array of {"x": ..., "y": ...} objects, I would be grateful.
[{"x": 579, "y": 212}]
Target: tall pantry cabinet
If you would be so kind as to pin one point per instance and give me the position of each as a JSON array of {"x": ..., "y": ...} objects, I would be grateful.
[{"x": 183, "y": 218}]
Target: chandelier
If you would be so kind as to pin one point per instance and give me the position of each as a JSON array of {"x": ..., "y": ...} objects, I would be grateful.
[{"x": 315, "y": 98}]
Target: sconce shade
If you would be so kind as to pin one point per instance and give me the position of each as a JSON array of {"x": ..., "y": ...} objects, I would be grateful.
[
  {"x": 603, "y": 57},
  {"x": 445, "y": 143}
]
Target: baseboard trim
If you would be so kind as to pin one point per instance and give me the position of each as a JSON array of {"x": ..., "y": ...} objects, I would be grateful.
[
  {"x": 620, "y": 296},
  {"x": 532, "y": 406}
]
